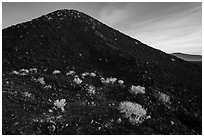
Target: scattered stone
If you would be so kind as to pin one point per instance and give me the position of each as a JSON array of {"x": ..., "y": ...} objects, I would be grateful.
[
  {"x": 119, "y": 120},
  {"x": 15, "y": 72},
  {"x": 70, "y": 73},
  {"x": 172, "y": 123},
  {"x": 41, "y": 80},
  {"x": 23, "y": 72},
  {"x": 148, "y": 117},
  {"x": 84, "y": 74},
  {"x": 27, "y": 94},
  {"x": 48, "y": 87},
  {"x": 50, "y": 110},
  {"x": 121, "y": 82},
  {"x": 92, "y": 74},
  {"x": 56, "y": 72},
  {"x": 33, "y": 70}
]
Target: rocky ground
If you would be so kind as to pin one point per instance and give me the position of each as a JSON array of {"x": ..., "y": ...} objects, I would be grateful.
[{"x": 92, "y": 106}]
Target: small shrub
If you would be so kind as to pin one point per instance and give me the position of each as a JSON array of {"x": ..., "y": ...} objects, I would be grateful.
[
  {"x": 77, "y": 80},
  {"x": 60, "y": 104},
  {"x": 133, "y": 111},
  {"x": 137, "y": 90},
  {"x": 163, "y": 97},
  {"x": 27, "y": 94},
  {"x": 108, "y": 80},
  {"x": 91, "y": 89},
  {"x": 41, "y": 80},
  {"x": 70, "y": 73}
]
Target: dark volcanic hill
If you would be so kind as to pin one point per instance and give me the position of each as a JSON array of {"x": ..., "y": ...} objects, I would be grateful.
[{"x": 67, "y": 73}]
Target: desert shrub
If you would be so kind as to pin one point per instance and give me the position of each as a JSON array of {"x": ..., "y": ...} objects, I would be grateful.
[
  {"x": 60, "y": 104},
  {"x": 163, "y": 97},
  {"x": 108, "y": 80},
  {"x": 133, "y": 111},
  {"x": 137, "y": 90},
  {"x": 91, "y": 89},
  {"x": 77, "y": 80},
  {"x": 41, "y": 80}
]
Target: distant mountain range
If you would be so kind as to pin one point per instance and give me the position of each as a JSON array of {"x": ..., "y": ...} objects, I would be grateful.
[
  {"x": 188, "y": 57},
  {"x": 68, "y": 73}
]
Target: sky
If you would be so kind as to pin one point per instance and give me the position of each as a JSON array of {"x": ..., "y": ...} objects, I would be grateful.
[{"x": 168, "y": 26}]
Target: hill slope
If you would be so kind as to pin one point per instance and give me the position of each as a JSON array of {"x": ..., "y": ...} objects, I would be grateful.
[{"x": 67, "y": 73}]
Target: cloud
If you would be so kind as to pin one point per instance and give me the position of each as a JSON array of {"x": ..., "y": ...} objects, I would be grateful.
[{"x": 177, "y": 30}]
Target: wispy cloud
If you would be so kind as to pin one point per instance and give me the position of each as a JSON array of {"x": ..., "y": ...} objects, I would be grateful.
[{"x": 175, "y": 31}]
